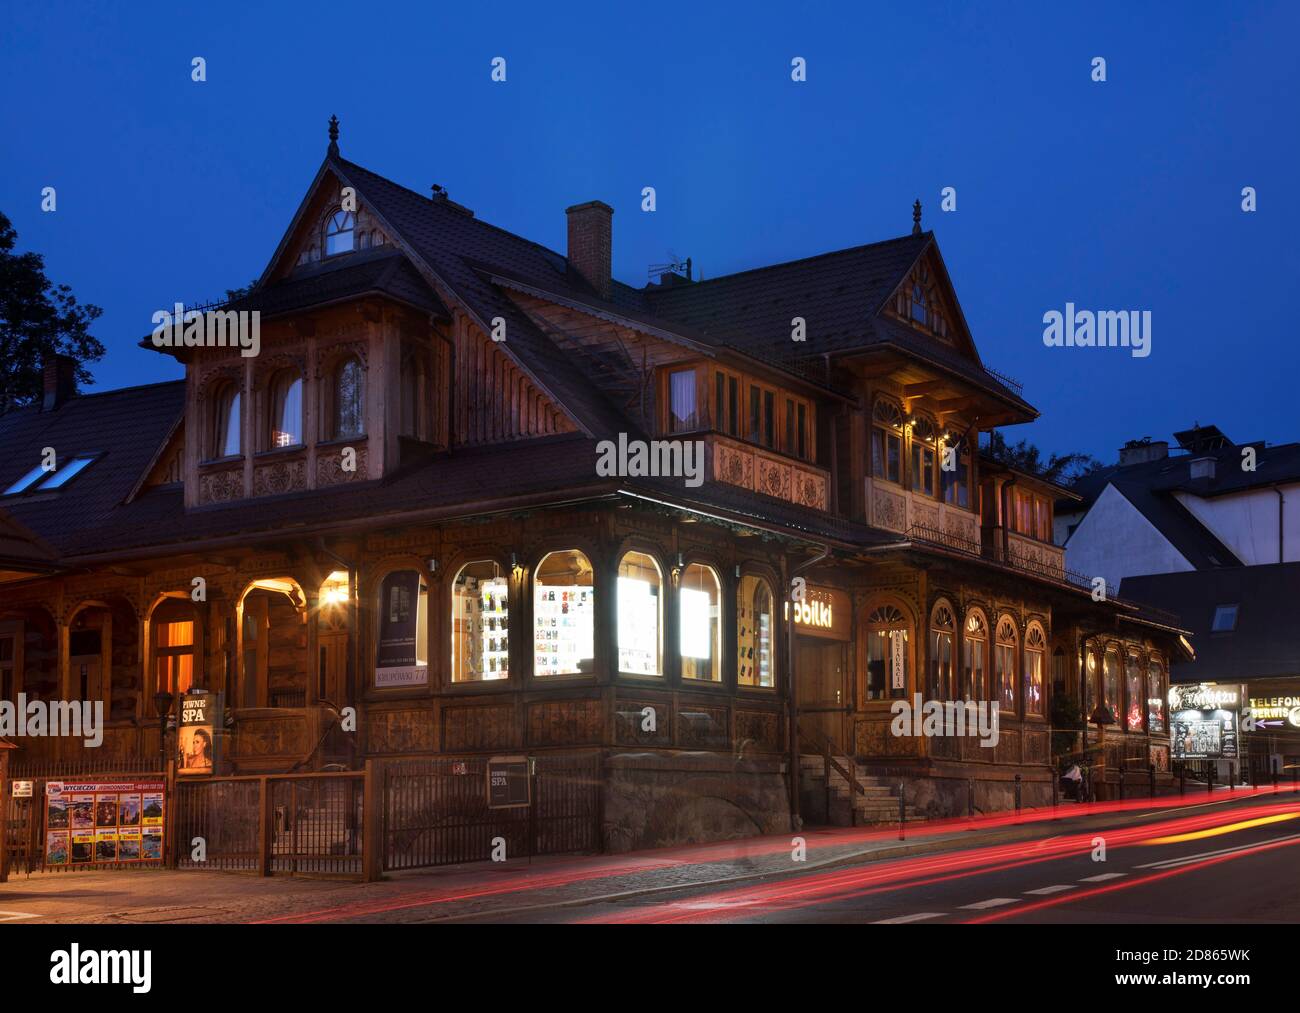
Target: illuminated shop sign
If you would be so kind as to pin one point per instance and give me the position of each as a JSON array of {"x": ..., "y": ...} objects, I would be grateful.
[
  {"x": 1203, "y": 721},
  {"x": 1275, "y": 711},
  {"x": 823, "y": 612}
]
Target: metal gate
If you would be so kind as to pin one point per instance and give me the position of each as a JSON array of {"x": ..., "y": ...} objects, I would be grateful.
[{"x": 436, "y": 811}]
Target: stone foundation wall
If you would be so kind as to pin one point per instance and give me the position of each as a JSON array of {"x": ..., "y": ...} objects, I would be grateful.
[{"x": 655, "y": 800}]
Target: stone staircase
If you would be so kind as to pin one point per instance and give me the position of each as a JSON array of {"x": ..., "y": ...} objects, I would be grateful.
[{"x": 878, "y": 806}]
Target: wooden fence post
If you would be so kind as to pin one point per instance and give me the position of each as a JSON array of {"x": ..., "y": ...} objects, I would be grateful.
[
  {"x": 171, "y": 846},
  {"x": 372, "y": 830},
  {"x": 265, "y": 830},
  {"x": 4, "y": 813}
]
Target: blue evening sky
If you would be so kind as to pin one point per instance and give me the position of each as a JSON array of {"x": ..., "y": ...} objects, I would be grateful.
[{"x": 1121, "y": 195}]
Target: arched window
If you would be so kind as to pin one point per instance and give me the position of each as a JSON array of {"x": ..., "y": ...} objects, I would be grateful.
[
  {"x": 975, "y": 648},
  {"x": 939, "y": 683},
  {"x": 480, "y": 623},
  {"x": 1004, "y": 664},
  {"x": 286, "y": 409},
  {"x": 340, "y": 233},
  {"x": 349, "y": 401},
  {"x": 1155, "y": 696},
  {"x": 699, "y": 623},
  {"x": 924, "y": 444},
  {"x": 1134, "y": 701},
  {"x": 1035, "y": 654},
  {"x": 564, "y": 609},
  {"x": 918, "y": 307},
  {"x": 1091, "y": 675},
  {"x": 755, "y": 647},
  {"x": 640, "y": 615},
  {"x": 226, "y": 438},
  {"x": 174, "y": 645},
  {"x": 887, "y": 442},
  {"x": 888, "y": 655},
  {"x": 1110, "y": 680}
]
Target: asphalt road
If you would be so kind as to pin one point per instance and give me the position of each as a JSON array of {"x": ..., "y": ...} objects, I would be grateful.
[{"x": 1220, "y": 862}]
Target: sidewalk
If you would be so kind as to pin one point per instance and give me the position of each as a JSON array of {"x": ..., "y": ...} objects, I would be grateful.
[{"x": 483, "y": 888}]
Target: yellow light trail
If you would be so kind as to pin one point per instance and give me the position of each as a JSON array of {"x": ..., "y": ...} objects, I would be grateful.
[{"x": 1227, "y": 828}]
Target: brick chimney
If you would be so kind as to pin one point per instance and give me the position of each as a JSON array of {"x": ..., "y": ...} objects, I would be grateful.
[
  {"x": 591, "y": 245},
  {"x": 60, "y": 376}
]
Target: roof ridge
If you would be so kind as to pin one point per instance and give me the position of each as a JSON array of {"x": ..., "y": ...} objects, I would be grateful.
[{"x": 695, "y": 286}]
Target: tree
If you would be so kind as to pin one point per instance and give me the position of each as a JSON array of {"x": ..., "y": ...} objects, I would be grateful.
[
  {"x": 1063, "y": 469},
  {"x": 37, "y": 320}
]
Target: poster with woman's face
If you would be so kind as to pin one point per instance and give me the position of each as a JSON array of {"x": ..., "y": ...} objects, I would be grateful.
[{"x": 195, "y": 751}]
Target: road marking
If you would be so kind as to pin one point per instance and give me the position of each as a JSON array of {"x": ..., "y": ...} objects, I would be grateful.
[
  {"x": 1043, "y": 890},
  {"x": 995, "y": 902},
  {"x": 1228, "y": 828},
  {"x": 904, "y": 919},
  {"x": 1103, "y": 877},
  {"x": 1169, "y": 863},
  {"x": 13, "y": 916}
]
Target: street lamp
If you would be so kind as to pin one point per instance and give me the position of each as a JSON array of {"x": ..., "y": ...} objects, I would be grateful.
[{"x": 162, "y": 701}]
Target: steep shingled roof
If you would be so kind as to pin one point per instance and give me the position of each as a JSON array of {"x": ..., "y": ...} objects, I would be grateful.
[{"x": 126, "y": 427}]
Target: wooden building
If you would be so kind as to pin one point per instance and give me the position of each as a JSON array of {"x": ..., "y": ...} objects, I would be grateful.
[{"x": 390, "y": 532}]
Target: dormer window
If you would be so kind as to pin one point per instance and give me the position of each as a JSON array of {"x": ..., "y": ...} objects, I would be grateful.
[
  {"x": 918, "y": 301},
  {"x": 340, "y": 233}
]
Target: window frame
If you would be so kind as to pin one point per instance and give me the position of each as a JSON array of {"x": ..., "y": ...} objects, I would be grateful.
[
  {"x": 1036, "y": 645},
  {"x": 887, "y": 434},
  {"x": 597, "y": 592},
  {"x": 876, "y": 621},
  {"x": 763, "y": 581},
  {"x": 1006, "y": 667},
  {"x": 348, "y": 228},
  {"x": 715, "y": 678},
  {"x": 661, "y": 674}
]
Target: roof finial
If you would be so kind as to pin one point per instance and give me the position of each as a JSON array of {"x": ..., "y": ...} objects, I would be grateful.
[
  {"x": 916, "y": 218},
  {"x": 334, "y": 135}
]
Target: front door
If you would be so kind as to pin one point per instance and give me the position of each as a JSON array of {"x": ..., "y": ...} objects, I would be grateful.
[{"x": 822, "y": 692}]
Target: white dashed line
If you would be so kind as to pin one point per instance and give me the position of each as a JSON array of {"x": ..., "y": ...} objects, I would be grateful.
[
  {"x": 904, "y": 919},
  {"x": 1103, "y": 877},
  {"x": 1042, "y": 890},
  {"x": 995, "y": 902}
]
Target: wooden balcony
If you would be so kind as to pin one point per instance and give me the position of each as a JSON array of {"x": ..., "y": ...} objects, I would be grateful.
[
  {"x": 894, "y": 508},
  {"x": 764, "y": 471}
]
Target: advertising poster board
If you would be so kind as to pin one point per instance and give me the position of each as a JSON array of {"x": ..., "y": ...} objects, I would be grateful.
[
  {"x": 104, "y": 822},
  {"x": 402, "y": 604},
  {"x": 196, "y": 733},
  {"x": 509, "y": 785}
]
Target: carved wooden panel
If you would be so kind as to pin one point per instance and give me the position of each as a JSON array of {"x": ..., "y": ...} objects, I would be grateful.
[
  {"x": 408, "y": 730},
  {"x": 329, "y": 464},
  {"x": 758, "y": 730},
  {"x": 274, "y": 478},
  {"x": 630, "y": 721},
  {"x": 479, "y": 727},
  {"x": 279, "y": 736},
  {"x": 565, "y": 722},
  {"x": 888, "y": 509},
  {"x": 221, "y": 486},
  {"x": 700, "y": 727}
]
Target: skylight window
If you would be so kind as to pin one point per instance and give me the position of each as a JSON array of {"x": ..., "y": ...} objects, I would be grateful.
[
  {"x": 27, "y": 480},
  {"x": 1225, "y": 619},
  {"x": 65, "y": 474},
  {"x": 40, "y": 480}
]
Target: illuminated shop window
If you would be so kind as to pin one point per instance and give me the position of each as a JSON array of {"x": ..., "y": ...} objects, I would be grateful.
[
  {"x": 402, "y": 648},
  {"x": 1090, "y": 682},
  {"x": 640, "y": 615},
  {"x": 888, "y": 654},
  {"x": 564, "y": 608},
  {"x": 754, "y": 644},
  {"x": 1134, "y": 711},
  {"x": 1155, "y": 697},
  {"x": 1004, "y": 663},
  {"x": 939, "y": 684},
  {"x": 480, "y": 623},
  {"x": 699, "y": 604},
  {"x": 975, "y": 647},
  {"x": 1035, "y": 655},
  {"x": 1110, "y": 680}
]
